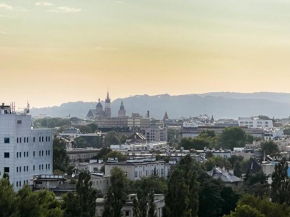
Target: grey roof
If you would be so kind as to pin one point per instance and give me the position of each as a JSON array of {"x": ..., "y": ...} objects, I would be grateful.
[{"x": 225, "y": 176}]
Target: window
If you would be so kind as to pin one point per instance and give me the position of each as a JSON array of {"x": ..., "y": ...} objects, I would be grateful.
[
  {"x": 19, "y": 154},
  {"x": 42, "y": 166},
  {"x": 39, "y": 153},
  {"x": 27, "y": 139},
  {"x": 39, "y": 167},
  {"x": 127, "y": 213},
  {"x": 42, "y": 139},
  {"x": 6, "y": 155},
  {"x": 19, "y": 121},
  {"x": 136, "y": 174},
  {"x": 27, "y": 168},
  {"x": 16, "y": 184},
  {"x": 39, "y": 139},
  {"x": 46, "y": 166},
  {"x": 24, "y": 168},
  {"x": 20, "y": 183},
  {"x": 33, "y": 139},
  {"x": 27, "y": 154},
  {"x": 17, "y": 139},
  {"x": 6, "y": 169},
  {"x": 24, "y": 154},
  {"x": 49, "y": 166},
  {"x": 42, "y": 153},
  {"x": 33, "y": 167},
  {"x": 17, "y": 169},
  {"x": 20, "y": 140},
  {"x": 6, "y": 140},
  {"x": 24, "y": 139},
  {"x": 48, "y": 152},
  {"x": 33, "y": 153},
  {"x": 49, "y": 138},
  {"x": 46, "y": 138}
]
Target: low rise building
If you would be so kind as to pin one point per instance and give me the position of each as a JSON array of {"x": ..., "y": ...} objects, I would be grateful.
[
  {"x": 135, "y": 169},
  {"x": 254, "y": 122},
  {"x": 127, "y": 209},
  {"x": 101, "y": 182},
  {"x": 227, "y": 177}
]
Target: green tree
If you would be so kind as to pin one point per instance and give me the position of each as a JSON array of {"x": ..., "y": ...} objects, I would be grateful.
[
  {"x": 286, "y": 131},
  {"x": 210, "y": 200},
  {"x": 233, "y": 137},
  {"x": 87, "y": 195},
  {"x": 230, "y": 198},
  {"x": 216, "y": 161},
  {"x": 265, "y": 206},
  {"x": 234, "y": 158},
  {"x": 269, "y": 147},
  {"x": 111, "y": 139},
  {"x": 245, "y": 211},
  {"x": 154, "y": 183},
  {"x": 117, "y": 193},
  {"x": 123, "y": 139},
  {"x": 83, "y": 203},
  {"x": 257, "y": 184},
  {"x": 151, "y": 205},
  {"x": 196, "y": 143},
  {"x": 60, "y": 158},
  {"x": 7, "y": 198},
  {"x": 182, "y": 197},
  {"x": 237, "y": 169},
  {"x": 280, "y": 187},
  {"x": 71, "y": 205}
]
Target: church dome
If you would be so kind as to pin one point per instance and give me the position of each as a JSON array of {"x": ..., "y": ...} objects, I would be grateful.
[{"x": 99, "y": 105}]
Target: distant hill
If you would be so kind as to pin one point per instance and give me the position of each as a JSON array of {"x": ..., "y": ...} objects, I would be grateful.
[{"x": 220, "y": 105}]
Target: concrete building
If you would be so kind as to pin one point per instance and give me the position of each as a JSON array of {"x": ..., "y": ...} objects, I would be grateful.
[
  {"x": 254, "y": 122},
  {"x": 24, "y": 151},
  {"x": 100, "y": 182},
  {"x": 225, "y": 154},
  {"x": 140, "y": 146},
  {"x": 82, "y": 154},
  {"x": 127, "y": 209},
  {"x": 135, "y": 169},
  {"x": 155, "y": 133},
  {"x": 192, "y": 131}
]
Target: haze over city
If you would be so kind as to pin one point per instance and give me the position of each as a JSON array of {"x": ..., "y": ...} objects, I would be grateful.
[{"x": 58, "y": 51}]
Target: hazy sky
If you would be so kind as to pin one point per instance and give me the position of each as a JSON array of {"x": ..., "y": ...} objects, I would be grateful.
[{"x": 68, "y": 50}]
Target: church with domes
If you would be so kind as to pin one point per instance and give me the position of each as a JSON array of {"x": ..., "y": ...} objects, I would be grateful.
[{"x": 101, "y": 113}]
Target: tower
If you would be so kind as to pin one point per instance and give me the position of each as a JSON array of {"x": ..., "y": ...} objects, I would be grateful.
[
  {"x": 108, "y": 106},
  {"x": 122, "y": 111},
  {"x": 165, "y": 116}
]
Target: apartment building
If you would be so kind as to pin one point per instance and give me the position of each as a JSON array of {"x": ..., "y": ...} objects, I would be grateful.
[{"x": 24, "y": 151}]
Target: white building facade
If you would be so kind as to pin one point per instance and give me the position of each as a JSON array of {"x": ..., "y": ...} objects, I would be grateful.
[
  {"x": 254, "y": 122},
  {"x": 136, "y": 169},
  {"x": 24, "y": 152}
]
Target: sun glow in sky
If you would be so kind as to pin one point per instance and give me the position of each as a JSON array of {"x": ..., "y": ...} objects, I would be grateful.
[{"x": 56, "y": 51}]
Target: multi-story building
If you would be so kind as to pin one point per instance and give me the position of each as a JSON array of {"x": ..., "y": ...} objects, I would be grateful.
[
  {"x": 155, "y": 133},
  {"x": 135, "y": 169},
  {"x": 128, "y": 208},
  {"x": 254, "y": 122},
  {"x": 24, "y": 151}
]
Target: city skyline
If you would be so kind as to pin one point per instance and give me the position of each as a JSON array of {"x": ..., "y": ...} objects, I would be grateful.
[{"x": 53, "y": 52}]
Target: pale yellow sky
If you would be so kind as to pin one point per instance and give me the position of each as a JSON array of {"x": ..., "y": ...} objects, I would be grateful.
[{"x": 57, "y": 51}]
